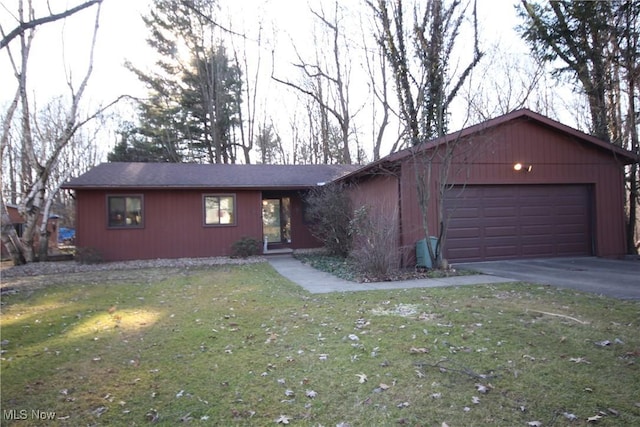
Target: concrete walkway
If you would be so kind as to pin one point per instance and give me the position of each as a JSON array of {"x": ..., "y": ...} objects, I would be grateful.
[{"x": 319, "y": 282}]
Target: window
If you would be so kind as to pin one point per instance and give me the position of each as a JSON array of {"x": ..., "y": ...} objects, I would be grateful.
[
  {"x": 219, "y": 210},
  {"x": 125, "y": 211}
]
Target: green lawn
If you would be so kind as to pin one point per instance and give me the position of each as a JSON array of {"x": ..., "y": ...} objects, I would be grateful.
[{"x": 240, "y": 345}]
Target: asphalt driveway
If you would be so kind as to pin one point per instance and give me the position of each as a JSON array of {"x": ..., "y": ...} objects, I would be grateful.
[{"x": 614, "y": 278}]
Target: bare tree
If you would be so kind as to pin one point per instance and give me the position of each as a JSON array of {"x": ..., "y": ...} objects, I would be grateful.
[
  {"x": 328, "y": 83},
  {"x": 32, "y": 22},
  {"x": 425, "y": 91},
  {"x": 39, "y": 162},
  {"x": 376, "y": 64},
  {"x": 506, "y": 82}
]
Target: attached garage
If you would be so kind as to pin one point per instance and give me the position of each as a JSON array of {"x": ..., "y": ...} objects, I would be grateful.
[
  {"x": 517, "y": 186},
  {"x": 489, "y": 222}
]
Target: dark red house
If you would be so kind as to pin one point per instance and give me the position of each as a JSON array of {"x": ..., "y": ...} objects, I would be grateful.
[
  {"x": 173, "y": 210},
  {"x": 518, "y": 186},
  {"x": 565, "y": 197}
]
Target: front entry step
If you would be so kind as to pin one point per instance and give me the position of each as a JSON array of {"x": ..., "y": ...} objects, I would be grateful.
[{"x": 279, "y": 251}]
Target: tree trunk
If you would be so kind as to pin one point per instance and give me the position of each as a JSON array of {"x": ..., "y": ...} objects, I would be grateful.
[{"x": 10, "y": 238}]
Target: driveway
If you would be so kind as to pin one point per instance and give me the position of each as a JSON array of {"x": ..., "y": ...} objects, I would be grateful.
[{"x": 614, "y": 278}]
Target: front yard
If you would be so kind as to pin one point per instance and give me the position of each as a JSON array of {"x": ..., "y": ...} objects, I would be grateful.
[{"x": 240, "y": 345}]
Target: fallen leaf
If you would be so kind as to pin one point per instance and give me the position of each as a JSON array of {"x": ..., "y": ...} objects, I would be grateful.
[
  {"x": 483, "y": 388},
  {"x": 594, "y": 419},
  {"x": 152, "y": 416},
  {"x": 289, "y": 393},
  {"x": 420, "y": 350},
  {"x": 579, "y": 360},
  {"x": 272, "y": 338},
  {"x": 383, "y": 386},
  {"x": 311, "y": 394},
  {"x": 100, "y": 410},
  {"x": 282, "y": 419},
  {"x": 362, "y": 378}
]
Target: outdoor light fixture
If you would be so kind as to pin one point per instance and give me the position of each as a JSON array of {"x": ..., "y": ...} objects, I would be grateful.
[{"x": 519, "y": 167}]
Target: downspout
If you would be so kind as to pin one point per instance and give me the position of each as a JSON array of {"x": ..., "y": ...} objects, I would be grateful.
[{"x": 400, "y": 232}]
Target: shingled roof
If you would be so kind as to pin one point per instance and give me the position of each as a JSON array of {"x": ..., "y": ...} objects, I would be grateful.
[{"x": 190, "y": 175}]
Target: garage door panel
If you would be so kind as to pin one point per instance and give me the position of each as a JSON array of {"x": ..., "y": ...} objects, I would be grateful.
[
  {"x": 466, "y": 253},
  {"x": 500, "y": 211},
  {"x": 533, "y": 210},
  {"x": 537, "y": 250},
  {"x": 535, "y": 230},
  {"x": 500, "y": 231},
  {"x": 570, "y": 247},
  {"x": 462, "y": 212},
  {"x": 518, "y": 221},
  {"x": 562, "y": 229},
  {"x": 500, "y": 252},
  {"x": 458, "y": 233}
]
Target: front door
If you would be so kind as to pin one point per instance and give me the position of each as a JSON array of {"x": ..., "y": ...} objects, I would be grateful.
[{"x": 276, "y": 220}]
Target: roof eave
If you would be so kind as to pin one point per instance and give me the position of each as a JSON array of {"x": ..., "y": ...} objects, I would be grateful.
[{"x": 187, "y": 187}]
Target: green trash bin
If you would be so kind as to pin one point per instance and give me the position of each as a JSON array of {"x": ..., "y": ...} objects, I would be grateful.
[{"x": 422, "y": 253}]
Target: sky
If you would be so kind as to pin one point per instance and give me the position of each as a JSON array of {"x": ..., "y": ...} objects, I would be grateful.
[{"x": 62, "y": 48}]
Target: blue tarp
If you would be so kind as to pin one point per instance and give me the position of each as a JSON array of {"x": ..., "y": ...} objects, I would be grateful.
[{"x": 66, "y": 234}]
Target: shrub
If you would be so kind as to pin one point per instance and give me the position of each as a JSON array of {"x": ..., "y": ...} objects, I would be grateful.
[
  {"x": 375, "y": 242},
  {"x": 89, "y": 256},
  {"x": 329, "y": 212},
  {"x": 245, "y": 247}
]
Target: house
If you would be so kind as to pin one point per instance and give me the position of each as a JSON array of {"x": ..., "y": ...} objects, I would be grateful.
[
  {"x": 173, "y": 210},
  {"x": 518, "y": 186}
]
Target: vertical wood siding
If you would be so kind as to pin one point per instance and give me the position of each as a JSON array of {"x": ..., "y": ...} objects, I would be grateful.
[
  {"x": 173, "y": 225},
  {"x": 301, "y": 237},
  {"x": 556, "y": 158}
]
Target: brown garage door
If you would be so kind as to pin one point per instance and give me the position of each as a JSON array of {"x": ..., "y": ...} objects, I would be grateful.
[{"x": 490, "y": 222}]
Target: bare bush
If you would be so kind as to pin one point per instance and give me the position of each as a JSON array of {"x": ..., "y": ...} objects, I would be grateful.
[
  {"x": 329, "y": 211},
  {"x": 375, "y": 242}
]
